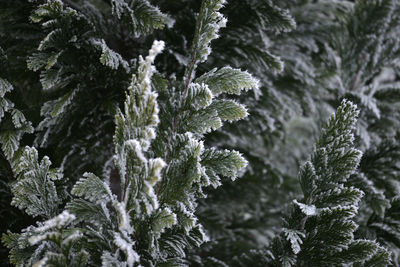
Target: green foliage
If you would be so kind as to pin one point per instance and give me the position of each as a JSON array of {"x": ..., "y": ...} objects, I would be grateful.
[
  {"x": 227, "y": 80},
  {"x": 140, "y": 16},
  {"x": 11, "y": 136},
  {"x": 321, "y": 227},
  {"x": 35, "y": 191}
]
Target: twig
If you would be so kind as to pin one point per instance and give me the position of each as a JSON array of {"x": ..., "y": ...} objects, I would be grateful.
[{"x": 189, "y": 73}]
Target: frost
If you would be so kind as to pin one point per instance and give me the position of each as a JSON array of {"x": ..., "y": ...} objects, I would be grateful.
[
  {"x": 72, "y": 237},
  {"x": 156, "y": 48},
  {"x": 137, "y": 148},
  {"x": 5, "y": 87},
  {"x": 33, "y": 240},
  {"x": 46, "y": 42},
  {"x": 228, "y": 80},
  {"x": 124, "y": 224},
  {"x": 155, "y": 166},
  {"x": 131, "y": 255},
  {"x": 164, "y": 219},
  {"x": 41, "y": 263},
  {"x": 295, "y": 239},
  {"x": 142, "y": 18},
  {"x": 209, "y": 23},
  {"x": 109, "y": 57},
  {"x": 199, "y": 96},
  {"x": 309, "y": 210},
  {"x": 57, "y": 222}
]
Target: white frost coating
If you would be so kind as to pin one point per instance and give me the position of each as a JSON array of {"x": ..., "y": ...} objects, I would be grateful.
[
  {"x": 131, "y": 255},
  {"x": 59, "y": 221},
  {"x": 200, "y": 95},
  {"x": 149, "y": 190},
  {"x": 222, "y": 22},
  {"x": 33, "y": 240},
  {"x": 5, "y": 87},
  {"x": 295, "y": 239},
  {"x": 106, "y": 211},
  {"x": 41, "y": 263},
  {"x": 109, "y": 57},
  {"x": 156, "y": 48},
  {"x": 135, "y": 146},
  {"x": 214, "y": 21},
  {"x": 108, "y": 189},
  {"x": 308, "y": 210},
  {"x": 156, "y": 165},
  {"x": 204, "y": 236},
  {"x": 146, "y": 70},
  {"x": 72, "y": 237},
  {"x": 47, "y": 39},
  {"x": 151, "y": 134},
  {"x": 124, "y": 224}
]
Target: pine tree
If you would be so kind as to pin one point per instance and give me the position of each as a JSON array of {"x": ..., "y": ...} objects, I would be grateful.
[{"x": 124, "y": 126}]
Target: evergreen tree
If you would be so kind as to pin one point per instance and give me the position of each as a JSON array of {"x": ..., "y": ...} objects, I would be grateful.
[{"x": 124, "y": 126}]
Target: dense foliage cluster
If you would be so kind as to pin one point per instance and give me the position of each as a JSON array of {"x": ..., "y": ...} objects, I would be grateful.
[{"x": 200, "y": 133}]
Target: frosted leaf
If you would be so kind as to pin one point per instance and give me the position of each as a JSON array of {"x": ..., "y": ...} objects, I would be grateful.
[
  {"x": 5, "y": 105},
  {"x": 109, "y": 57},
  {"x": 204, "y": 121},
  {"x": 108, "y": 260},
  {"x": 294, "y": 237},
  {"x": 141, "y": 109},
  {"x": 199, "y": 96},
  {"x": 5, "y": 87},
  {"x": 50, "y": 78},
  {"x": 307, "y": 178},
  {"x": 186, "y": 218},
  {"x": 41, "y": 263},
  {"x": 163, "y": 219},
  {"x": 18, "y": 118},
  {"x": 49, "y": 39},
  {"x": 275, "y": 18},
  {"x": 131, "y": 255},
  {"x": 44, "y": 59},
  {"x": 56, "y": 107},
  {"x": 204, "y": 236},
  {"x": 124, "y": 220},
  {"x": 381, "y": 257},
  {"x": 9, "y": 143},
  {"x": 57, "y": 222},
  {"x": 339, "y": 195},
  {"x": 208, "y": 23},
  {"x": 229, "y": 110},
  {"x": 92, "y": 188},
  {"x": 228, "y": 80},
  {"x": 223, "y": 162},
  {"x": 155, "y": 167},
  {"x": 151, "y": 200},
  {"x": 46, "y": 10},
  {"x": 309, "y": 210},
  {"x": 35, "y": 191},
  {"x": 135, "y": 146},
  {"x": 142, "y": 18},
  {"x": 72, "y": 238},
  {"x": 328, "y": 231},
  {"x": 33, "y": 240},
  {"x": 156, "y": 48}
]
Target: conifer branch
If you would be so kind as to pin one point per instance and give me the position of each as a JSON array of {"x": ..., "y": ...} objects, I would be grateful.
[{"x": 189, "y": 72}]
